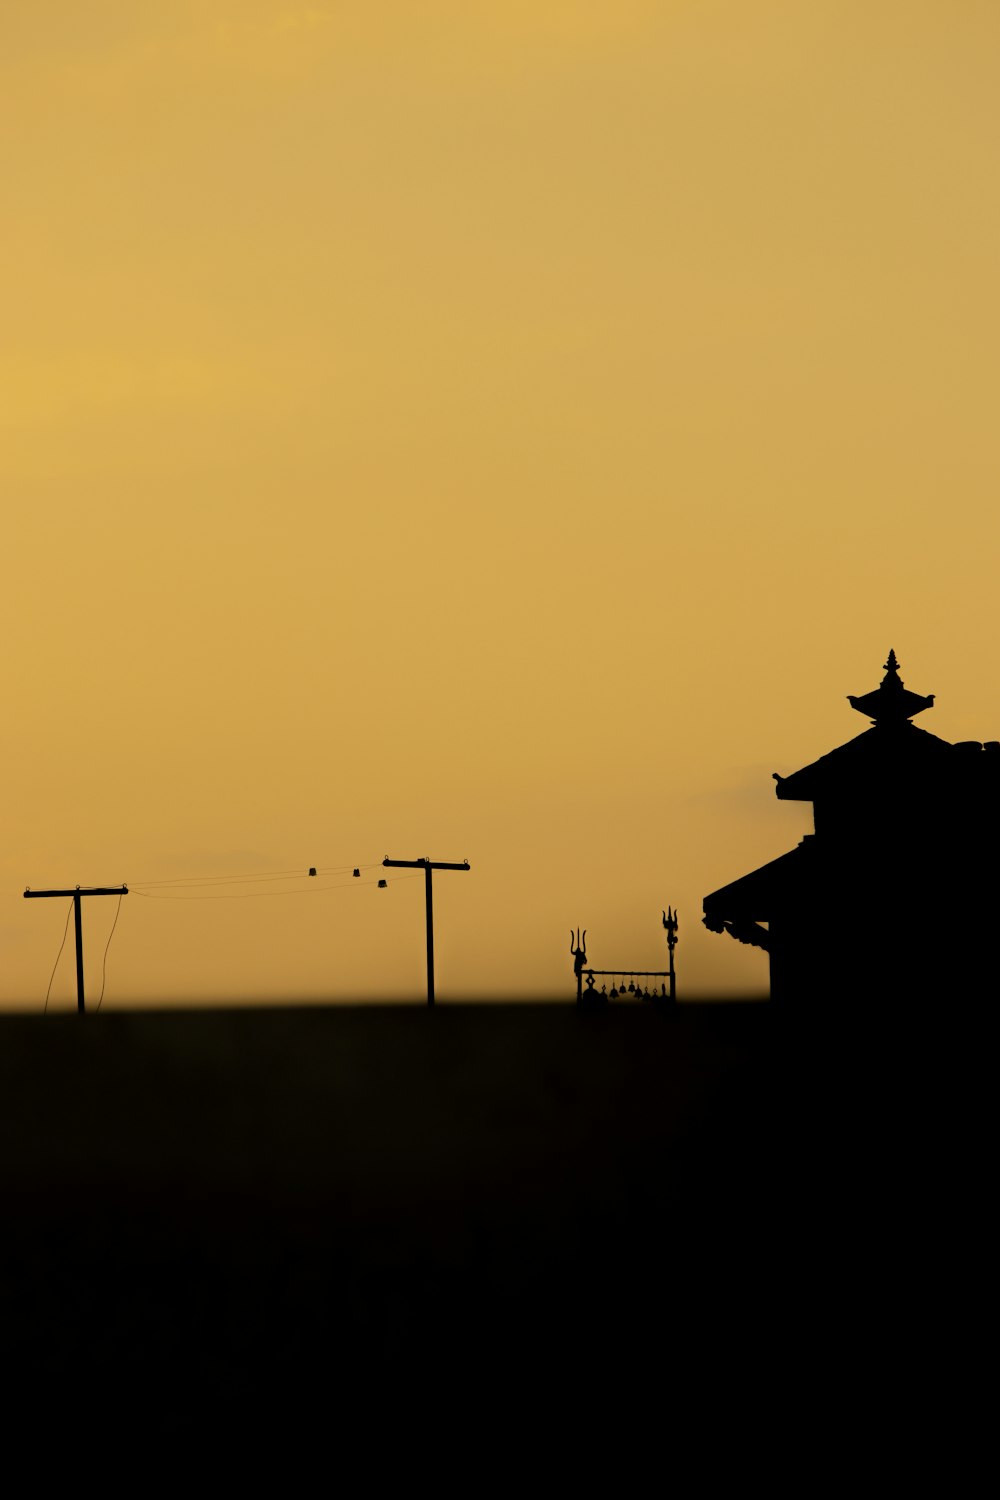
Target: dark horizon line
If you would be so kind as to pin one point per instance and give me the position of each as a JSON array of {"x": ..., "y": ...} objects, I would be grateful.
[{"x": 400, "y": 1002}]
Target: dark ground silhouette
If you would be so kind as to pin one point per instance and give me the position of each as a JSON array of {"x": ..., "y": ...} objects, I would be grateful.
[{"x": 319, "y": 1220}]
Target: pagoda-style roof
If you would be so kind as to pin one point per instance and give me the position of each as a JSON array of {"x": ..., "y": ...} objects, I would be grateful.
[
  {"x": 892, "y": 748},
  {"x": 872, "y": 756}
]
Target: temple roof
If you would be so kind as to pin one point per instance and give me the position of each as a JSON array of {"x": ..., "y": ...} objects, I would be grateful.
[
  {"x": 892, "y": 747},
  {"x": 897, "y": 810},
  {"x": 752, "y": 897},
  {"x": 869, "y": 756}
]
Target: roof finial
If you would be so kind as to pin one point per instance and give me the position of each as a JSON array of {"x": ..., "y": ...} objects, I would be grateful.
[{"x": 890, "y": 703}]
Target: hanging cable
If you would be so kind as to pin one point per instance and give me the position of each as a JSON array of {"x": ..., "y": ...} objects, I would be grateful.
[
  {"x": 341, "y": 885},
  {"x": 261, "y": 877},
  {"x": 58, "y": 957},
  {"x": 104, "y": 966},
  {"x": 223, "y": 879}
]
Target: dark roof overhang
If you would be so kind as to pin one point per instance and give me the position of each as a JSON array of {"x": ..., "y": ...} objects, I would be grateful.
[{"x": 753, "y": 897}]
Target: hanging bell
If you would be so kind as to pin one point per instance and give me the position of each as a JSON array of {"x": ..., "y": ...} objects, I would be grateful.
[
  {"x": 631, "y": 986},
  {"x": 612, "y": 993}
]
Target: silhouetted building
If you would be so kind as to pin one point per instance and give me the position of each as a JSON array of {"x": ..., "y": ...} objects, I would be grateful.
[{"x": 894, "y": 895}]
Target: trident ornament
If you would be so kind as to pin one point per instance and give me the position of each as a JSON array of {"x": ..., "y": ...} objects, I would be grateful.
[
  {"x": 670, "y": 923},
  {"x": 578, "y": 948},
  {"x": 579, "y": 951}
]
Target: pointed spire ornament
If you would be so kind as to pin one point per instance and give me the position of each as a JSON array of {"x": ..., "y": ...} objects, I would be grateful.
[{"x": 890, "y": 703}]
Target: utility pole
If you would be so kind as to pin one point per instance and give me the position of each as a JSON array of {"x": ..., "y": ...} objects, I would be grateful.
[
  {"x": 427, "y": 865},
  {"x": 76, "y": 893}
]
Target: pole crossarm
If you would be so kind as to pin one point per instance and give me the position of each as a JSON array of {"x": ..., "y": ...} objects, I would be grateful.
[
  {"x": 81, "y": 890},
  {"x": 76, "y": 893},
  {"x": 422, "y": 864},
  {"x": 427, "y": 865}
]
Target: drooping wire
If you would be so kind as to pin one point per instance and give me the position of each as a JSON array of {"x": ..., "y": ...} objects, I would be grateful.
[
  {"x": 221, "y": 879},
  {"x": 104, "y": 967},
  {"x": 311, "y": 890},
  {"x": 58, "y": 957},
  {"x": 260, "y": 877}
]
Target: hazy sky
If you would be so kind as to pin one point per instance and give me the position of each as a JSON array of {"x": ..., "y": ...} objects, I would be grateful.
[{"x": 497, "y": 429}]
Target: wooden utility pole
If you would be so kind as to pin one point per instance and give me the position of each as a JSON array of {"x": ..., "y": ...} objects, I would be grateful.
[
  {"x": 427, "y": 865},
  {"x": 76, "y": 893}
]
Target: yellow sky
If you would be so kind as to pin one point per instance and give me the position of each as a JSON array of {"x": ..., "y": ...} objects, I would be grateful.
[{"x": 489, "y": 430}]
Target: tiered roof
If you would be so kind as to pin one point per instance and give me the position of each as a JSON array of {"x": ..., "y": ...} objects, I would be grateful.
[{"x": 890, "y": 746}]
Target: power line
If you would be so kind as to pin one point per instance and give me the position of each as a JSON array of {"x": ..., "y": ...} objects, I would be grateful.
[
  {"x": 258, "y": 877},
  {"x": 104, "y": 966},
  {"x": 310, "y": 890},
  {"x": 58, "y": 957},
  {"x": 193, "y": 888}
]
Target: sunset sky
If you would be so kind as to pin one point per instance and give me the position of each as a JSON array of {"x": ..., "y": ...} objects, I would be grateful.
[{"x": 487, "y": 429}]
